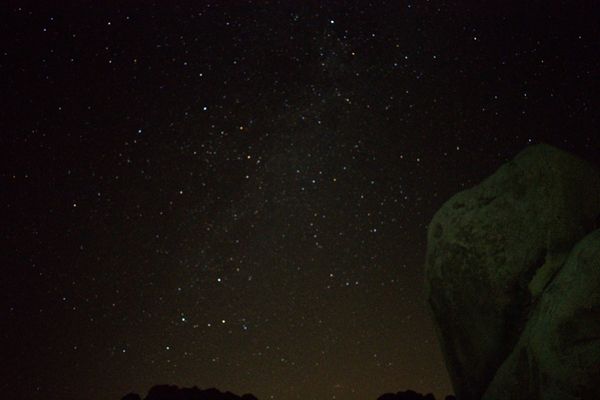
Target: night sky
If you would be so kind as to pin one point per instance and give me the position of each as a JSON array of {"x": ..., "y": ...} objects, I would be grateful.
[{"x": 236, "y": 194}]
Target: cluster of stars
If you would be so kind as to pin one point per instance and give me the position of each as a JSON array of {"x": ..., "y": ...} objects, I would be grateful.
[{"x": 250, "y": 187}]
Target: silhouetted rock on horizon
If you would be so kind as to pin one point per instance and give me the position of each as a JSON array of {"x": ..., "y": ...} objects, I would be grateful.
[
  {"x": 410, "y": 395},
  {"x": 500, "y": 273},
  {"x": 173, "y": 392},
  {"x": 131, "y": 396}
]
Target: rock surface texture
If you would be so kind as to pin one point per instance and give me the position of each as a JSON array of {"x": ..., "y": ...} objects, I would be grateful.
[
  {"x": 558, "y": 354},
  {"x": 513, "y": 284}
]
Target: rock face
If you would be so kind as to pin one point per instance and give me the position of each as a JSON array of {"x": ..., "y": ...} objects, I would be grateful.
[
  {"x": 558, "y": 354},
  {"x": 495, "y": 253}
]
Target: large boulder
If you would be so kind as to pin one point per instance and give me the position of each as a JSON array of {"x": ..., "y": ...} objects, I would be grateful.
[
  {"x": 558, "y": 354},
  {"x": 493, "y": 249}
]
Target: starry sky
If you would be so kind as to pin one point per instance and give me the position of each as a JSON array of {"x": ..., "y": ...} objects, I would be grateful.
[{"x": 236, "y": 194}]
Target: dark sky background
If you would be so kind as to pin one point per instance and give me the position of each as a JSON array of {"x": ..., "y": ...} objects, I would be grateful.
[{"x": 236, "y": 194}]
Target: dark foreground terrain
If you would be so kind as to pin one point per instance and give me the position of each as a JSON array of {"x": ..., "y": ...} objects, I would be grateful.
[{"x": 171, "y": 392}]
